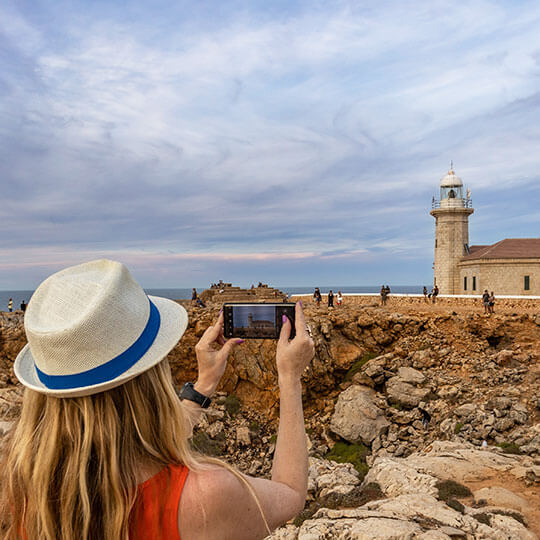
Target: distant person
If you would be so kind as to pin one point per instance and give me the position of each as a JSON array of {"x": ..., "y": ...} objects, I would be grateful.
[
  {"x": 10, "y": 305},
  {"x": 434, "y": 294},
  {"x": 425, "y": 294},
  {"x": 317, "y": 296},
  {"x": 199, "y": 303},
  {"x": 331, "y": 299},
  {"x": 339, "y": 299},
  {"x": 194, "y": 296},
  {"x": 383, "y": 295},
  {"x": 485, "y": 301},
  {"x": 23, "y": 306},
  {"x": 492, "y": 303}
]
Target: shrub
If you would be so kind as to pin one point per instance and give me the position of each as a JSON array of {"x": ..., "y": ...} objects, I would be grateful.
[
  {"x": 350, "y": 453},
  {"x": 357, "y": 366},
  {"x": 232, "y": 405},
  {"x": 456, "y": 505},
  {"x": 202, "y": 443},
  {"x": 449, "y": 489},
  {"x": 510, "y": 513},
  {"x": 510, "y": 448},
  {"x": 458, "y": 428},
  {"x": 482, "y": 517}
]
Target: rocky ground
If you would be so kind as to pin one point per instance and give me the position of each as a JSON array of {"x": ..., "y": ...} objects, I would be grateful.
[{"x": 410, "y": 394}]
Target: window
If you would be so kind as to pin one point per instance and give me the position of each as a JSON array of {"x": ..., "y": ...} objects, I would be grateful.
[
  {"x": 474, "y": 283},
  {"x": 435, "y": 243},
  {"x": 465, "y": 283},
  {"x": 527, "y": 283}
]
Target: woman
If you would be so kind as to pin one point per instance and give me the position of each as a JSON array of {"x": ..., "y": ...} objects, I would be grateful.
[{"x": 101, "y": 448}]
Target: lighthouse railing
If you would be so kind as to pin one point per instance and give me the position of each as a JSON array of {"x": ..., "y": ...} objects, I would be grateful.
[{"x": 436, "y": 203}]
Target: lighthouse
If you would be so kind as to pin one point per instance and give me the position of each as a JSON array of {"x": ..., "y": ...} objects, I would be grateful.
[{"x": 451, "y": 212}]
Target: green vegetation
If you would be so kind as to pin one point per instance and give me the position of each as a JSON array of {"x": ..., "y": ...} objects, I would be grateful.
[
  {"x": 306, "y": 513},
  {"x": 254, "y": 426},
  {"x": 350, "y": 453},
  {"x": 202, "y": 443},
  {"x": 449, "y": 489},
  {"x": 510, "y": 513},
  {"x": 273, "y": 438},
  {"x": 456, "y": 505},
  {"x": 397, "y": 406},
  {"x": 232, "y": 405},
  {"x": 458, "y": 428},
  {"x": 510, "y": 448},
  {"x": 357, "y": 366},
  {"x": 482, "y": 517}
]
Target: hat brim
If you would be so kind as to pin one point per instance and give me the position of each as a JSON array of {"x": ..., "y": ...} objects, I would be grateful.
[{"x": 173, "y": 324}]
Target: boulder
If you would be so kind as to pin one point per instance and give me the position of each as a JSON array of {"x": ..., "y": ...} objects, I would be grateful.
[
  {"x": 498, "y": 496},
  {"x": 356, "y": 418},
  {"x": 404, "y": 393},
  {"x": 410, "y": 375}
]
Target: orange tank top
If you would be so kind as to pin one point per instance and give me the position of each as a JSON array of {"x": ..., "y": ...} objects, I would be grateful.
[{"x": 155, "y": 515}]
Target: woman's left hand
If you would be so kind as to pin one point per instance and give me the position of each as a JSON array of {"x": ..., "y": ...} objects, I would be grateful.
[{"x": 212, "y": 361}]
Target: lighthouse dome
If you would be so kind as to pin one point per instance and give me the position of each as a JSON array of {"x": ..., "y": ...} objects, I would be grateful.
[{"x": 451, "y": 180}]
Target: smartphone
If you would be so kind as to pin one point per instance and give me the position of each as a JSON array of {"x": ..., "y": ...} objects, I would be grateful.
[{"x": 256, "y": 321}]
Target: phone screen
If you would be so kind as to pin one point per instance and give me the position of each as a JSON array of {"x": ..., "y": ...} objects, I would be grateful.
[{"x": 256, "y": 321}]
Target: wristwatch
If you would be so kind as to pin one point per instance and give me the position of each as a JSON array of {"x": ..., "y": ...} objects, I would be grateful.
[{"x": 188, "y": 392}]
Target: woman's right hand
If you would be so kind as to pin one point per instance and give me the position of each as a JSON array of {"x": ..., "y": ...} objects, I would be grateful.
[{"x": 293, "y": 356}]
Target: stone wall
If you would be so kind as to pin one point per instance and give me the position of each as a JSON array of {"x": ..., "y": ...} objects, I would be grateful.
[
  {"x": 502, "y": 276},
  {"x": 451, "y": 235}
]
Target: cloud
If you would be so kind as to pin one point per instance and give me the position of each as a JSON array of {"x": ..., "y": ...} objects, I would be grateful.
[{"x": 216, "y": 131}]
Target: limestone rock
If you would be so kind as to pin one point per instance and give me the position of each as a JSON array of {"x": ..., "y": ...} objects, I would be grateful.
[
  {"x": 498, "y": 496},
  {"x": 404, "y": 393},
  {"x": 411, "y": 376},
  {"x": 356, "y": 417},
  {"x": 395, "y": 477}
]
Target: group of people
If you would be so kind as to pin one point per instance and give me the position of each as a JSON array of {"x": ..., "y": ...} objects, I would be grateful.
[
  {"x": 489, "y": 302},
  {"x": 196, "y": 300},
  {"x": 431, "y": 295},
  {"x": 385, "y": 291},
  {"x": 317, "y": 297},
  {"x": 10, "y": 305}
]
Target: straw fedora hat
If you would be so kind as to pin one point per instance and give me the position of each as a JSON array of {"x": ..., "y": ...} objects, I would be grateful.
[{"x": 91, "y": 327}]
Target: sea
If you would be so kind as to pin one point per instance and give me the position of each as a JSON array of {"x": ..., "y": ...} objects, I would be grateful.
[{"x": 185, "y": 294}]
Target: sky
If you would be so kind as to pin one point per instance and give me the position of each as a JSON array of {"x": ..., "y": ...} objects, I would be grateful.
[{"x": 294, "y": 143}]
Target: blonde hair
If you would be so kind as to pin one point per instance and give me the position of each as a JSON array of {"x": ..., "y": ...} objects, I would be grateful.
[{"x": 71, "y": 465}]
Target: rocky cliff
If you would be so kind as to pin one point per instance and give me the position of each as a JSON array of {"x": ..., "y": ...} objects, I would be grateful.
[{"x": 385, "y": 386}]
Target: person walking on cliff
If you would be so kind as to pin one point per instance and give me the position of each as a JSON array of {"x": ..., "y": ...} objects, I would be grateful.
[
  {"x": 10, "y": 305},
  {"x": 383, "y": 295},
  {"x": 317, "y": 296},
  {"x": 23, "y": 306},
  {"x": 339, "y": 299},
  {"x": 434, "y": 294},
  {"x": 101, "y": 448},
  {"x": 485, "y": 301},
  {"x": 492, "y": 303},
  {"x": 194, "y": 297},
  {"x": 425, "y": 295},
  {"x": 330, "y": 299}
]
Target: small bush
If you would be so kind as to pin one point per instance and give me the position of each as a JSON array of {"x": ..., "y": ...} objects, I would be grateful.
[
  {"x": 350, "y": 453},
  {"x": 254, "y": 426},
  {"x": 370, "y": 492},
  {"x": 449, "y": 489},
  {"x": 510, "y": 448},
  {"x": 306, "y": 513},
  {"x": 482, "y": 517},
  {"x": 510, "y": 513},
  {"x": 202, "y": 443},
  {"x": 456, "y": 505},
  {"x": 458, "y": 428},
  {"x": 232, "y": 405},
  {"x": 358, "y": 365}
]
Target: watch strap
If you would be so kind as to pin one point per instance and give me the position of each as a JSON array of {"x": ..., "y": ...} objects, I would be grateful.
[{"x": 188, "y": 392}]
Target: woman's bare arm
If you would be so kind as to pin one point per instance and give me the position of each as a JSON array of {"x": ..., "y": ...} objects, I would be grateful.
[{"x": 217, "y": 504}]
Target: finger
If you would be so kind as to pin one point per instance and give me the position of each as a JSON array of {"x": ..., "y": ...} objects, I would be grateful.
[
  {"x": 228, "y": 347},
  {"x": 285, "y": 333},
  {"x": 213, "y": 332},
  {"x": 299, "y": 319}
]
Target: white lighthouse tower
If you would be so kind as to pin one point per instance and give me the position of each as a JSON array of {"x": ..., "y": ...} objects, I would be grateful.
[{"x": 451, "y": 213}]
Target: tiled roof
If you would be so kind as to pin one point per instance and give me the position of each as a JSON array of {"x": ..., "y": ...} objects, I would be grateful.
[{"x": 509, "y": 248}]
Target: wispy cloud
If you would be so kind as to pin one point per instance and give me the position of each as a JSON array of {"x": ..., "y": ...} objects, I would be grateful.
[{"x": 216, "y": 134}]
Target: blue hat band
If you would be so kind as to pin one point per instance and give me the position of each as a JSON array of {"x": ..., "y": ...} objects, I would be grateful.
[{"x": 111, "y": 369}]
